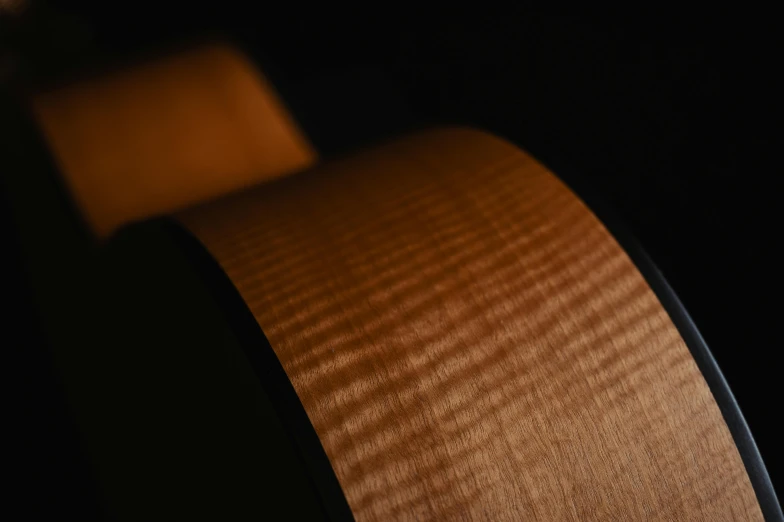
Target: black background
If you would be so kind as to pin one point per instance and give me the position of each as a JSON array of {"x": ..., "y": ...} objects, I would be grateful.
[{"x": 673, "y": 118}]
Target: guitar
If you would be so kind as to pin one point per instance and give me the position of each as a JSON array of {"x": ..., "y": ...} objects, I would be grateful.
[{"x": 435, "y": 327}]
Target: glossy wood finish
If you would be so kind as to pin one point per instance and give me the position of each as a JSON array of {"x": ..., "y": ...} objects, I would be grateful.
[
  {"x": 157, "y": 137},
  {"x": 469, "y": 342}
]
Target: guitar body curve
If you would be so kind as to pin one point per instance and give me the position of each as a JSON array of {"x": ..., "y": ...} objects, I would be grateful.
[{"x": 469, "y": 341}]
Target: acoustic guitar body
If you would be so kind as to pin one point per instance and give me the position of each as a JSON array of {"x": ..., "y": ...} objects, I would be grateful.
[
  {"x": 469, "y": 342},
  {"x": 442, "y": 328}
]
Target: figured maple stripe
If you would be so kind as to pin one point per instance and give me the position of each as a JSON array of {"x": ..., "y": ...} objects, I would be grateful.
[
  {"x": 372, "y": 281},
  {"x": 338, "y": 371},
  {"x": 469, "y": 342}
]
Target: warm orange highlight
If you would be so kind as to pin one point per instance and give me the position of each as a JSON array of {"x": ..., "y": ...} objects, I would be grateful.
[{"x": 163, "y": 135}]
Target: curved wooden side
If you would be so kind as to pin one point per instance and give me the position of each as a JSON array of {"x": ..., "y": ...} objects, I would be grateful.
[{"x": 469, "y": 341}]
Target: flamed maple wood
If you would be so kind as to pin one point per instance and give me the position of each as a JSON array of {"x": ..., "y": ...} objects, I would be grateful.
[{"x": 469, "y": 341}]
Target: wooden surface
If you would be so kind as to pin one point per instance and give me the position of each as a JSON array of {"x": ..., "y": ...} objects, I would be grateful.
[
  {"x": 162, "y": 135},
  {"x": 470, "y": 343}
]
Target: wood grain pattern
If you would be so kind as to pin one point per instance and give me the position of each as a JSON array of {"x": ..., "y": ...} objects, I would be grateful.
[
  {"x": 470, "y": 342},
  {"x": 155, "y": 138}
]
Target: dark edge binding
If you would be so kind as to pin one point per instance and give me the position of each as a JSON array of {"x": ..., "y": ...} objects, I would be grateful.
[
  {"x": 268, "y": 369},
  {"x": 744, "y": 441},
  {"x": 749, "y": 453}
]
